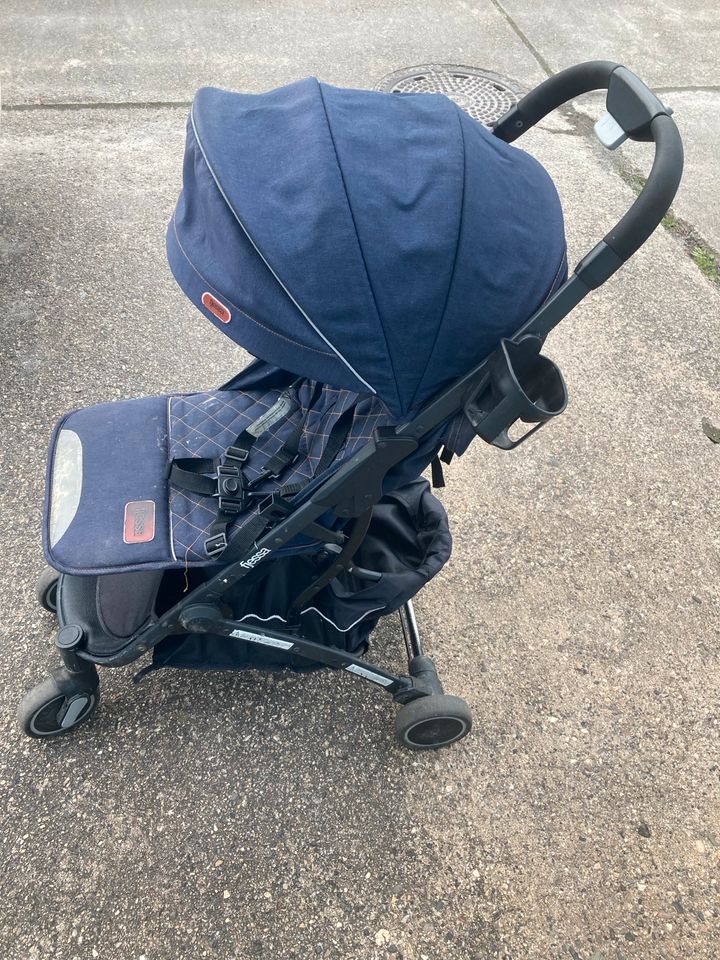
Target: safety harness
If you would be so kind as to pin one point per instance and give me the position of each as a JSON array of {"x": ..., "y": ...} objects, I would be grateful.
[{"x": 223, "y": 478}]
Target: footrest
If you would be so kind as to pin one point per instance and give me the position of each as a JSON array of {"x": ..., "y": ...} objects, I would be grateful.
[{"x": 106, "y": 504}]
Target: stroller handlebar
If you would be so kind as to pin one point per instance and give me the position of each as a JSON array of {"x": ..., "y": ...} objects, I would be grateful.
[
  {"x": 515, "y": 383},
  {"x": 641, "y": 116}
]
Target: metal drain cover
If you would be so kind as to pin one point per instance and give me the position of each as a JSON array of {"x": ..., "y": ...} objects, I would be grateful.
[{"x": 486, "y": 96}]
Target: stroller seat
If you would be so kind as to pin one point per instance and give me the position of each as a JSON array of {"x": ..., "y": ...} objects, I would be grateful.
[
  {"x": 407, "y": 542},
  {"x": 114, "y": 502},
  {"x": 133, "y": 498}
]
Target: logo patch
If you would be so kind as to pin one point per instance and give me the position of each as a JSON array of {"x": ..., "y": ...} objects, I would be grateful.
[
  {"x": 212, "y": 304},
  {"x": 139, "y": 521},
  {"x": 254, "y": 559}
]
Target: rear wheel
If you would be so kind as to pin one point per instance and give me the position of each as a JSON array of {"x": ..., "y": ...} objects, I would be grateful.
[
  {"x": 429, "y": 723},
  {"x": 47, "y": 589},
  {"x": 53, "y": 708}
]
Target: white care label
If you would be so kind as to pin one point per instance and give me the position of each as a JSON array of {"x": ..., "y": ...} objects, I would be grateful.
[
  {"x": 369, "y": 675},
  {"x": 262, "y": 639}
]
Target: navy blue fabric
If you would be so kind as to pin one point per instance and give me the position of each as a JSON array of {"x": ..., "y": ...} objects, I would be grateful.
[
  {"x": 127, "y": 446},
  {"x": 456, "y": 433},
  {"x": 209, "y": 252},
  {"x": 124, "y": 459},
  {"x": 511, "y": 255},
  {"x": 205, "y": 424},
  {"x": 364, "y": 239},
  {"x": 408, "y": 542}
]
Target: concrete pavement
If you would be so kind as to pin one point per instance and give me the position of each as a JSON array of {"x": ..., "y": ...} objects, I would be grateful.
[
  {"x": 272, "y": 816},
  {"x": 164, "y": 51}
]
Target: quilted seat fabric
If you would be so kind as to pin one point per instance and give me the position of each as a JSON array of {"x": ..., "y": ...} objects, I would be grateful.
[
  {"x": 206, "y": 424},
  {"x": 126, "y": 449}
]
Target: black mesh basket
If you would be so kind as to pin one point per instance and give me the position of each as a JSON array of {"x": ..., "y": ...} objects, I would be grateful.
[{"x": 407, "y": 543}]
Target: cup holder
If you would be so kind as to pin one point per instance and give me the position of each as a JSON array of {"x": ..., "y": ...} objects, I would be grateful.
[{"x": 520, "y": 385}]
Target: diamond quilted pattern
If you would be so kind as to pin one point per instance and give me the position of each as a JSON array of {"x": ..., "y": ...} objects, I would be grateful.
[{"x": 206, "y": 424}]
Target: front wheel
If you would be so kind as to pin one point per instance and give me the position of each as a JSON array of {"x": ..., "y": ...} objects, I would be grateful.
[
  {"x": 47, "y": 589},
  {"x": 431, "y": 722},
  {"x": 57, "y": 706}
]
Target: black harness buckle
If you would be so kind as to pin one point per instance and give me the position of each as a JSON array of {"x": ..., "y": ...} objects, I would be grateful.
[{"x": 230, "y": 489}]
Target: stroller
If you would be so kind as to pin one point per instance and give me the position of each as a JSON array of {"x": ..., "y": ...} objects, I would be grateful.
[{"x": 398, "y": 268}]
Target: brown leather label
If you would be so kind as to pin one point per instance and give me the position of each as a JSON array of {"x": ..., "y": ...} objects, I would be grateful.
[
  {"x": 139, "y": 521},
  {"x": 212, "y": 304}
]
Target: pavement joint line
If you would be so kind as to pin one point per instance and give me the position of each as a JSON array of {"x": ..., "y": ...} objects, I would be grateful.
[
  {"x": 177, "y": 104},
  {"x": 542, "y": 62},
  {"x": 694, "y": 244},
  {"x": 97, "y": 105},
  {"x": 689, "y": 88},
  {"x": 705, "y": 257}
]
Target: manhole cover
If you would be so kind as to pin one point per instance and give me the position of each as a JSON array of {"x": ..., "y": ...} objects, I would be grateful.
[{"x": 484, "y": 95}]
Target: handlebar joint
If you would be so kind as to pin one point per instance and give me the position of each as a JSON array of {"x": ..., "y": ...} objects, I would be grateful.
[
  {"x": 632, "y": 104},
  {"x": 598, "y": 265},
  {"x": 510, "y": 125}
]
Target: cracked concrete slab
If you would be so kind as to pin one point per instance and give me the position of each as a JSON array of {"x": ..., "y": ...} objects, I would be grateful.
[
  {"x": 257, "y": 815},
  {"x": 666, "y": 43},
  {"x": 236, "y": 817},
  {"x": 699, "y": 121},
  {"x": 697, "y": 114}
]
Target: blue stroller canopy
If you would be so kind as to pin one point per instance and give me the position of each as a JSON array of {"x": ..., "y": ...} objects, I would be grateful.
[{"x": 378, "y": 242}]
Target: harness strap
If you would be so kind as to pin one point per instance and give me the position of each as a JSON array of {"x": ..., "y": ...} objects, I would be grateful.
[
  {"x": 336, "y": 440},
  {"x": 228, "y": 483},
  {"x": 237, "y": 453},
  {"x": 240, "y": 544},
  {"x": 285, "y": 405},
  {"x": 284, "y": 456},
  {"x": 436, "y": 472},
  {"x": 217, "y": 542},
  {"x": 246, "y": 536},
  {"x": 186, "y": 475}
]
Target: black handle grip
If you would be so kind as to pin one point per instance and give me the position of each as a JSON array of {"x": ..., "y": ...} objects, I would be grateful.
[
  {"x": 657, "y": 194},
  {"x": 551, "y": 94},
  {"x": 642, "y": 117}
]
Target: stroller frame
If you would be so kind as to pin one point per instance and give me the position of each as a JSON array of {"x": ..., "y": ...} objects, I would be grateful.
[{"x": 514, "y": 383}]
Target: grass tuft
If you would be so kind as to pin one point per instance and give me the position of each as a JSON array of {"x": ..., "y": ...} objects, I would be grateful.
[
  {"x": 634, "y": 180},
  {"x": 703, "y": 256},
  {"x": 706, "y": 260}
]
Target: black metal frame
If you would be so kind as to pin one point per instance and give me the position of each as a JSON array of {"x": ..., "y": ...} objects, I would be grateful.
[{"x": 514, "y": 383}]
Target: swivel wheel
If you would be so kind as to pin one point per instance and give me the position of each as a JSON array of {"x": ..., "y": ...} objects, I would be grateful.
[
  {"x": 46, "y": 589},
  {"x": 59, "y": 704},
  {"x": 431, "y": 722}
]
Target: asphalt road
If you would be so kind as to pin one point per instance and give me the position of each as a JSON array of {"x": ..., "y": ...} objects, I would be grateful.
[{"x": 274, "y": 816}]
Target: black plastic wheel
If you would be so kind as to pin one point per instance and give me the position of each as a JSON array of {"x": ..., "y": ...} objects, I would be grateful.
[
  {"x": 429, "y": 723},
  {"x": 47, "y": 588},
  {"x": 51, "y": 709}
]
